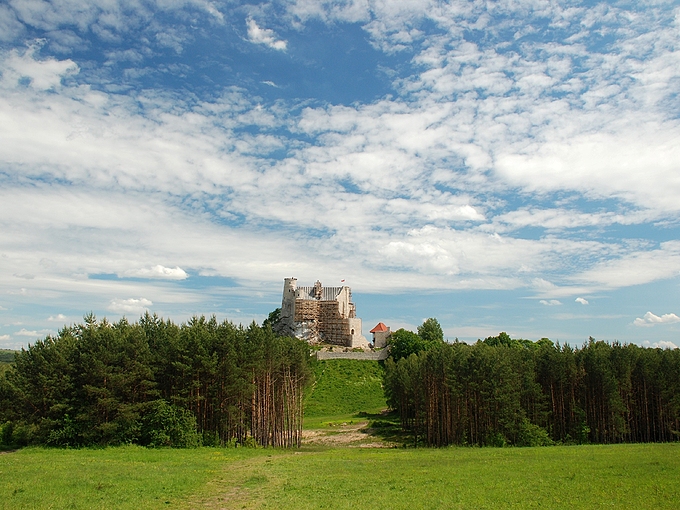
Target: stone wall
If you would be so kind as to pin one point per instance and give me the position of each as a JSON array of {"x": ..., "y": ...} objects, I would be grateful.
[{"x": 367, "y": 356}]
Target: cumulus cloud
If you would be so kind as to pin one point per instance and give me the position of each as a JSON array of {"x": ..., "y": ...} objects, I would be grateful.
[
  {"x": 131, "y": 305},
  {"x": 581, "y": 300},
  {"x": 663, "y": 344},
  {"x": 60, "y": 317},
  {"x": 158, "y": 271},
  {"x": 4, "y": 337},
  {"x": 426, "y": 188},
  {"x": 264, "y": 36},
  {"x": 649, "y": 319},
  {"x": 551, "y": 302}
]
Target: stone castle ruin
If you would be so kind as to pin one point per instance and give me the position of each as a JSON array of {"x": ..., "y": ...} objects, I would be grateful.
[{"x": 320, "y": 314}]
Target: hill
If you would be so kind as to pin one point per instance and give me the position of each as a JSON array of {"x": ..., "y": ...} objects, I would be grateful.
[
  {"x": 345, "y": 387},
  {"x": 6, "y": 359},
  {"x": 6, "y": 356}
]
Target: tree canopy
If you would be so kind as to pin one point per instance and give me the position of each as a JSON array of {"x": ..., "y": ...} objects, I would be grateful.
[
  {"x": 512, "y": 391},
  {"x": 156, "y": 383},
  {"x": 403, "y": 343}
]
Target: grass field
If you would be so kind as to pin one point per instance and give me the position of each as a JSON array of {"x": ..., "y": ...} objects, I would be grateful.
[
  {"x": 321, "y": 475},
  {"x": 126, "y": 477},
  {"x": 620, "y": 476}
]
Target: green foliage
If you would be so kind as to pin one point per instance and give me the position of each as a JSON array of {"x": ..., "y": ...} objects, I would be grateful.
[
  {"x": 100, "y": 383},
  {"x": 6, "y": 432},
  {"x": 504, "y": 391},
  {"x": 272, "y": 319},
  {"x": 403, "y": 343},
  {"x": 530, "y": 434},
  {"x": 168, "y": 425},
  {"x": 431, "y": 332}
]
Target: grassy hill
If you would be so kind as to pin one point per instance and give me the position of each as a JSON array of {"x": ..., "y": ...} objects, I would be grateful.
[
  {"x": 345, "y": 387},
  {"x": 6, "y": 356}
]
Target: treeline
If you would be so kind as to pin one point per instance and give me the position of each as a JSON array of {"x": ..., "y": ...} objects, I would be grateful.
[
  {"x": 502, "y": 391},
  {"x": 156, "y": 383}
]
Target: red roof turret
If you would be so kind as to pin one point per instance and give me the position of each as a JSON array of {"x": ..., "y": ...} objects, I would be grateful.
[{"x": 380, "y": 328}]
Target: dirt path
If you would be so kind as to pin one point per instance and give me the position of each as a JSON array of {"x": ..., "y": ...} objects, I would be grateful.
[
  {"x": 241, "y": 485},
  {"x": 352, "y": 435}
]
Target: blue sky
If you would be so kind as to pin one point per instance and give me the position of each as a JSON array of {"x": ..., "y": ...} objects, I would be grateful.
[{"x": 502, "y": 166}]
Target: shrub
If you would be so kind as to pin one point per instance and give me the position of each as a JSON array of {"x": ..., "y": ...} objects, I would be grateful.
[
  {"x": 168, "y": 425},
  {"x": 24, "y": 434},
  {"x": 531, "y": 434},
  {"x": 6, "y": 431},
  {"x": 64, "y": 435}
]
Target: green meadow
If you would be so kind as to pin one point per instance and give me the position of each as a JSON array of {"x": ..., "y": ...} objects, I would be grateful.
[
  {"x": 321, "y": 476},
  {"x": 620, "y": 476}
]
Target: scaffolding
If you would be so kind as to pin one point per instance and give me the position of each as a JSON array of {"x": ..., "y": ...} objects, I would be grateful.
[{"x": 331, "y": 326}]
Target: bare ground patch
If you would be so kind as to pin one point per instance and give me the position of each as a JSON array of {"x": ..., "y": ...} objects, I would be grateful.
[{"x": 352, "y": 435}]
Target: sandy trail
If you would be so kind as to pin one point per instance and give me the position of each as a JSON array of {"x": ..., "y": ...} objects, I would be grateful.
[{"x": 352, "y": 435}]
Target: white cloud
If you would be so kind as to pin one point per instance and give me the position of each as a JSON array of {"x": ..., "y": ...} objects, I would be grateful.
[
  {"x": 60, "y": 317},
  {"x": 108, "y": 20},
  {"x": 4, "y": 337},
  {"x": 649, "y": 319},
  {"x": 409, "y": 191},
  {"x": 158, "y": 271},
  {"x": 43, "y": 74},
  {"x": 634, "y": 267},
  {"x": 581, "y": 300},
  {"x": 25, "y": 332},
  {"x": 264, "y": 36},
  {"x": 131, "y": 305},
  {"x": 551, "y": 302},
  {"x": 663, "y": 344}
]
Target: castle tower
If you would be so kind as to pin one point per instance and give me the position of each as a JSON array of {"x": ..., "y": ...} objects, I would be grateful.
[{"x": 287, "y": 323}]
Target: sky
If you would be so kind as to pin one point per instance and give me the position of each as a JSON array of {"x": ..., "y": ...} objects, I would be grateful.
[{"x": 509, "y": 165}]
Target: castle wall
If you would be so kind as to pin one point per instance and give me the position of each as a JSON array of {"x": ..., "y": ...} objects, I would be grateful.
[{"x": 368, "y": 356}]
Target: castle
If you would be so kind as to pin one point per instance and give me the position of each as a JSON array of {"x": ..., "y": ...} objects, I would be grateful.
[{"x": 320, "y": 314}]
